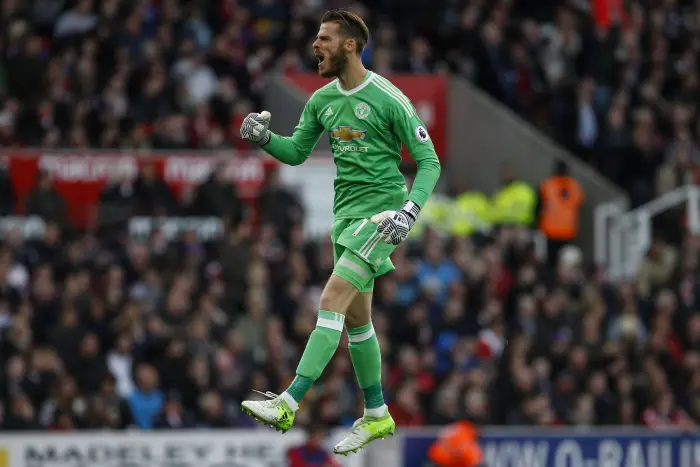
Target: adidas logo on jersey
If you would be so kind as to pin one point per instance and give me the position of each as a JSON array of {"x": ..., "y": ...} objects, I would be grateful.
[{"x": 329, "y": 112}]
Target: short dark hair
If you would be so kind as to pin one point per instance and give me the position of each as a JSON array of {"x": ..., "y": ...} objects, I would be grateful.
[
  {"x": 561, "y": 168},
  {"x": 315, "y": 428},
  {"x": 351, "y": 26}
]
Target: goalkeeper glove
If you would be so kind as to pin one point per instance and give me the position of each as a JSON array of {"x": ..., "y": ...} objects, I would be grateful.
[
  {"x": 393, "y": 226},
  {"x": 254, "y": 128}
]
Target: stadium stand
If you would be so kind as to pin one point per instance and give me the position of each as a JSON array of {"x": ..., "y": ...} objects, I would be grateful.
[{"x": 103, "y": 331}]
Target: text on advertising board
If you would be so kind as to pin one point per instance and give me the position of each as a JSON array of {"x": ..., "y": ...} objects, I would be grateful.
[
  {"x": 80, "y": 177},
  {"x": 199, "y": 449},
  {"x": 564, "y": 449}
]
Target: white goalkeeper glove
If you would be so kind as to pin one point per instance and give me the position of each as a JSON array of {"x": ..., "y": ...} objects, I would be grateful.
[
  {"x": 393, "y": 226},
  {"x": 254, "y": 128}
]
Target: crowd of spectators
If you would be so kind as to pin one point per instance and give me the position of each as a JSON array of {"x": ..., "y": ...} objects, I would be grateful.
[
  {"x": 101, "y": 330},
  {"x": 616, "y": 82},
  {"x": 112, "y": 331},
  {"x": 164, "y": 74}
]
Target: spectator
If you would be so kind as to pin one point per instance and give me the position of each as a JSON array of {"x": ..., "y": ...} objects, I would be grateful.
[
  {"x": 559, "y": 202},
  {"x": 7, "y": 197},
  {"x": 151, "y": 194},
  {"x": 65, "y": 336},
  {"x": 279, "y": 207},
  {"x": 116, "y": 201},
  {"x": 211, "y": 411},
  {"x": 118, "y": 414},
  {"x": 456, "y": 446},
  {"x": 21, "y": 416},
  {"x": 65, "y": 407},
  {"x": 674, "y": 173},
  {"x": 88, "y": 367},
  {"x": 437, "y": 274},
  {"x": 146, "y": 400},
  {"x": 663, "y": 415},
  {"x": 311, "y": 453},
  {"x": 656, "y": 268},
  {"x": 173, "y": 416},
  {"x": 120, "y": 362},
  {"x": 235, "y": 257},
  {"x": 406, "y": 410},
  {"x": 218, "y": 197},
  {"x": 45, "y": 202}
]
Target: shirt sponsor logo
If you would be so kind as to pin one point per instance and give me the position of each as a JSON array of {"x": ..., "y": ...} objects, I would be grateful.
[
  {"x": 347, "y": 134},
  {"x": 338, "y": 147}
]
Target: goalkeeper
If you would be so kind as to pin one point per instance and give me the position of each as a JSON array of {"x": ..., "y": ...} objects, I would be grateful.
[{"x": 366, "y": 118}]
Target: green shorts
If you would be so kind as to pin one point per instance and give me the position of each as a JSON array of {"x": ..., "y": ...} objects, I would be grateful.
[{"x": 359, "y": 254}]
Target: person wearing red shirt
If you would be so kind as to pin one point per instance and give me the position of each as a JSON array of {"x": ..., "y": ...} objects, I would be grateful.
[
  {"x": 663, "y": 415},
  {"x": 406, "y": 409},
  {"x": 312, "y": 453}
]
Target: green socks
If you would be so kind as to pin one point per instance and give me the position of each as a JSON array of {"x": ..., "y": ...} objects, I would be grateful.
[
  {"x": 367, "y": 361},
  {"x": 374, "y": 396},
  {"x": 299, "y": 387},
  {"x": 319, "y": 350},
  {"x": 364, "y": 353}
]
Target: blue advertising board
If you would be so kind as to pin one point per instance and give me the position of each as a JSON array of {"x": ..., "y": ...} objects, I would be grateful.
[{"x": 572, "y": 448}]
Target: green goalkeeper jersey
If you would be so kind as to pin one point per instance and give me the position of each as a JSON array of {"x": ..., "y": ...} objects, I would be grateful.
[{"x": 365, "y": 126}]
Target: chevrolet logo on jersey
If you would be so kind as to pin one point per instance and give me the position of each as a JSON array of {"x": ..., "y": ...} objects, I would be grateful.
[{"x": 347, "y": 134}]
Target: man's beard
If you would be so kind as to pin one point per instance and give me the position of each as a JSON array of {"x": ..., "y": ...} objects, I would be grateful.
[{"x": 336, "y": 65}]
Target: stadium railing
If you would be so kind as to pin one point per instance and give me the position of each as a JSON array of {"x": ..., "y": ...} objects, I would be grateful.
[{"x": 623, "y": 237}]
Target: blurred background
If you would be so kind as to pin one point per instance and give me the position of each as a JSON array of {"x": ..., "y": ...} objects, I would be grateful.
[{"x": 154, "y": 269}]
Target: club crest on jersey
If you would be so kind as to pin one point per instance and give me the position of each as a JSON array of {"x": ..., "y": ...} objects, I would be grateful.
[
  {"x": 362, "y": 110},
  {"x": 346, "y": 134}
]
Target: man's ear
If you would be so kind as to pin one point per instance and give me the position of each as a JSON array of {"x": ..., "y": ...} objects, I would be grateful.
[{"x": 349, "y": 45}]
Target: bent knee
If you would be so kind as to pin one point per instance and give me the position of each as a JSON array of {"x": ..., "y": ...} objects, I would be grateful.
[
  {"x": 337, "y": 295},
  {"x": 359, "y": 312}
]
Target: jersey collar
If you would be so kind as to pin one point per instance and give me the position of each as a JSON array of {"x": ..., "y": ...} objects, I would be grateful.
[{"x": 368, "y": 79}]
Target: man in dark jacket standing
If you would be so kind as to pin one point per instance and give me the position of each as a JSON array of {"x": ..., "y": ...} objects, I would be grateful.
[
  {"x": 217, "y": 196},
  {"x": 44, "y": 201}
]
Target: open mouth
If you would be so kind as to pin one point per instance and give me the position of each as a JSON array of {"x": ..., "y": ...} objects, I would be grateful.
[{"x": 320, "y": 58}]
